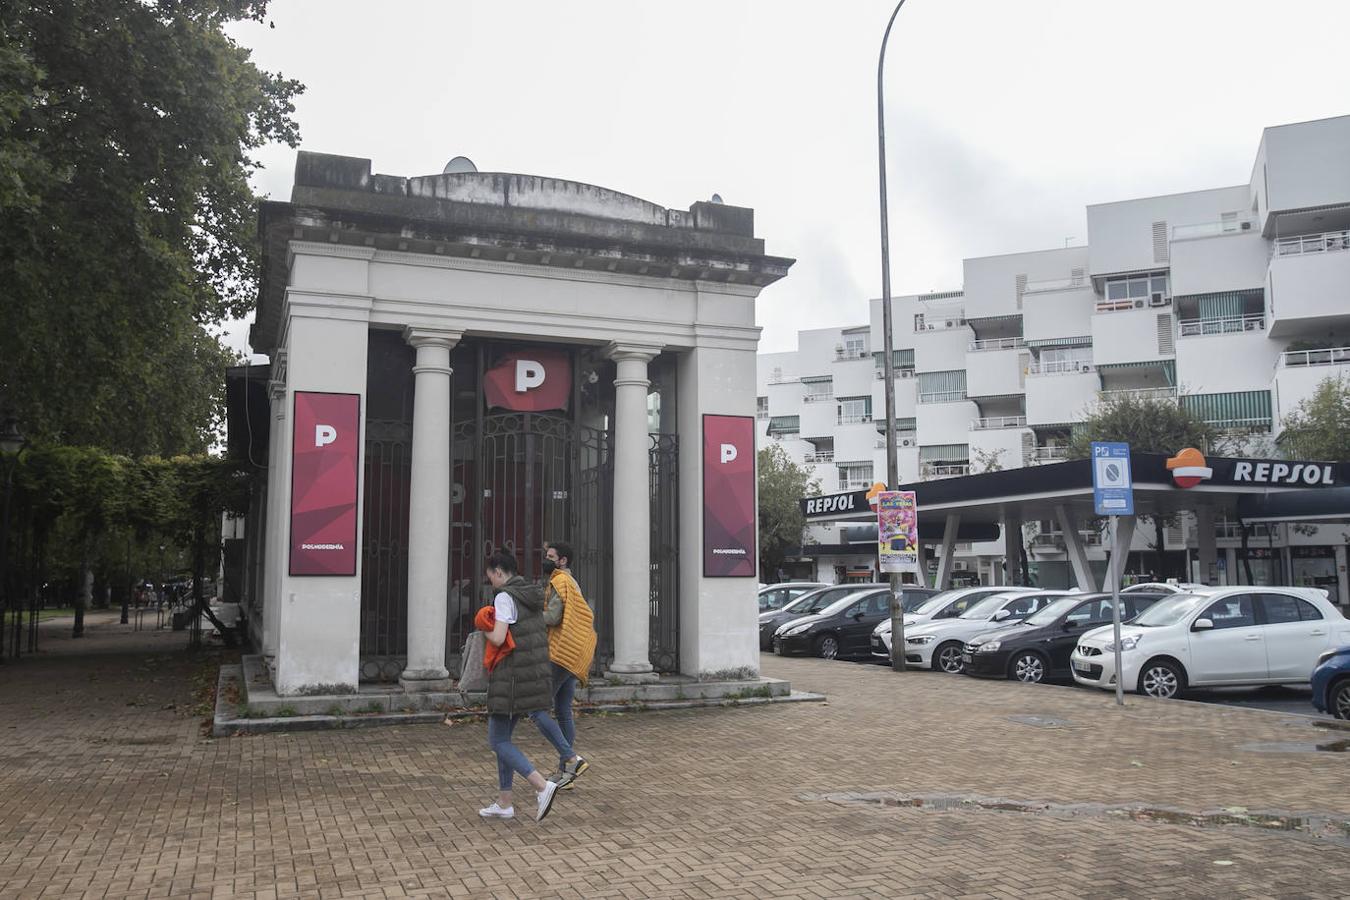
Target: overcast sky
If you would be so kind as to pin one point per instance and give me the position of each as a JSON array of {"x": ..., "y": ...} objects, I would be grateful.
[{"x": 1004, "y": 119}]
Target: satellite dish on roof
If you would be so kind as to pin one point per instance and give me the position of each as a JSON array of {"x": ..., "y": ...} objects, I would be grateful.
[
  {"x": 460, "y": 165},
  {"x": 716, "y": 198}
]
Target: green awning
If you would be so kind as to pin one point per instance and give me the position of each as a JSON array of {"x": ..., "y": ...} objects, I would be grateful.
[
  {"x": 1084, "y": 340},
  {"x": 785, "y": 424},
  {"x": 1237, "y": 409},
  {"x": 1006, "y": 317},
  {"x": 955, "y": 454},
  {"x": 909, "y": 424},
  {"x": 816, "y": 379},
  {"x": 900, "y": 359},
  {"x": 950, "y": 381}
]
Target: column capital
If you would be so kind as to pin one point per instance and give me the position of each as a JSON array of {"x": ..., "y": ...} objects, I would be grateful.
[
  {"x": 624, "y": 351},
  {"x": 276, "y": 389},
  {"x": 420, "y": 336}
]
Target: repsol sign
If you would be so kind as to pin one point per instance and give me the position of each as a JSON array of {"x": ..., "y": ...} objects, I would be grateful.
[
  {"x": 1307, "y": 474},
  {"x": 834, "y": 505}
]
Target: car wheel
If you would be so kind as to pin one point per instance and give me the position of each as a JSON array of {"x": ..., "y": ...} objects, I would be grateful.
[
  {"x": 1028, "y": 668},
  {"x": 1161, "y": 679},
  {"x": 827, "y": 646},
  {"x": 947, "y": 658},
  {"x": 1338, "y": 700}
]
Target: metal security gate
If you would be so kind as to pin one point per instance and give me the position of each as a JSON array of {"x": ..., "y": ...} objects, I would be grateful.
[
  {"x": 384, "y": 550},
  {"x": 663, "y": 479}
]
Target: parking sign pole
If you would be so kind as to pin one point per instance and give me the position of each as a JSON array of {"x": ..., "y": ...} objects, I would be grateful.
[
  {"x": 1115, "y": 608},
  {"x": 1113, "y": 497}
]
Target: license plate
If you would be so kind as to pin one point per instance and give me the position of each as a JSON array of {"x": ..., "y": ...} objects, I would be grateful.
[
  {"x": 1082, "y": 665},
  {"x": 965, "y": 658}
]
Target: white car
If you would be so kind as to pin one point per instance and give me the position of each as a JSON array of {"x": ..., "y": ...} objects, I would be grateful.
[
  {"x": 1164, "y": 587},
  {"x": 946, "y": 605},
  {"x": 1218, "y": 636},
  {"x": 937, "y": 643}
]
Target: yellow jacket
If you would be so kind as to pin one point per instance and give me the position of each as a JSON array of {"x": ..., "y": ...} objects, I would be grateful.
[{"x": 571, "y": 625}]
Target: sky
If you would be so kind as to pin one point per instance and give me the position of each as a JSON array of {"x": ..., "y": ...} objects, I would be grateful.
[{"x": 1003, "y": 119}]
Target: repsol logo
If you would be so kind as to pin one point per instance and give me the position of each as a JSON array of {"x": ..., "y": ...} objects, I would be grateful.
[
  {"x": 838, "y": 503},
  {"x": 1284, "y": 473}
]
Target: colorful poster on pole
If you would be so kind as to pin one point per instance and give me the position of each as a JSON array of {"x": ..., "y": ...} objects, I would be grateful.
[
  {"x": 898, "y": 531},
  {"x": 730, "y": 549},
  {"x": 325, "y": 456}
]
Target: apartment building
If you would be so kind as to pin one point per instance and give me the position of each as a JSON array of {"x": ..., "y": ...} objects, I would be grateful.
[{"x": 1233, "y": 301}]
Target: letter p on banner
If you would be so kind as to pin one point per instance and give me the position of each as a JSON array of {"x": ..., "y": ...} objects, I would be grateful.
[
  {"x": 324, "y": 434},
  {"x": 728, "y": 453},
  {"x": 529, "y": 374}
]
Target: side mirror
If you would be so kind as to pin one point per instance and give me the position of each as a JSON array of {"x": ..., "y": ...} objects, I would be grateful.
[
  {"x": 858, "y": 615},
  {"x": 1070, "y": 625},
  {"x": 1202, "y": 625},
  {"x": 1001, "y": 615}
]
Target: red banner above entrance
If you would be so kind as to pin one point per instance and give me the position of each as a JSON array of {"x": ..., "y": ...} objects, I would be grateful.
[
  {"x": 729, "y": 546},
  {"x": 529, "y": 380},
  {"x": 325, "y": 458}
]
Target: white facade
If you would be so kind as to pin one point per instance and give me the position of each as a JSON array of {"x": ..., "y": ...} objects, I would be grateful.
[{"x": 1232, "y": 300}]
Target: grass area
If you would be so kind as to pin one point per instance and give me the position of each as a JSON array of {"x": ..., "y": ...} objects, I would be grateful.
[{"x": 45, "y": 614}]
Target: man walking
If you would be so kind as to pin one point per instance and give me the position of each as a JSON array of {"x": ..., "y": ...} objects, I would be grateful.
[{"x": 571, "y": 648}]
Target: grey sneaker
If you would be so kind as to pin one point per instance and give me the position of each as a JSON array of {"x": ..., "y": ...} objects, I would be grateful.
[{"x": 572, "y": 771}]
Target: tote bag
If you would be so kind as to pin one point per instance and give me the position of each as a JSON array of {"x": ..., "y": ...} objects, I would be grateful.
[{"x": 473, "y": 676}]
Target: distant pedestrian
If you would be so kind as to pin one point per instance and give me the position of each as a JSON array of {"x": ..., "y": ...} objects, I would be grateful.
[
  {"x": 518, "y": 685},
  {"x": 571, "y": 650}
]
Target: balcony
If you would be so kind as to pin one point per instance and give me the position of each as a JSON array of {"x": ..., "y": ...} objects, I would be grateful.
[
  {"x": 1061, "y": 367},
  {"x": 853, "y": 418},
  {"x": 846, "y": 484},
  {"x": 1228, "y": 325},
  {"x": 1051, "y": 285},
  {"x": 930, "y": 473},
  {"x": 844, "y": 353},
  {"x": 817, "y": 398},
  {"x": 1305, "y": 284},
  {"x": 1037, "y": 456},
  {"x": 1010, "y": 343},
  {"x": 942, "y": 397},
  {"x": 904, "y": 440},
  {"x": 1326, "y": 242},
  {"x": 1334, "y": 356},
  {"x": 1055, "y": 540},
  {"x": 1161, "y": 393},
  {"x": 1212, "y": 229},
  {"x": 899, "y": 373},
  {"x": 820, "y": 456},
  {"x": 1155, "y": 301},
  {"x": 991, "y": 422}
]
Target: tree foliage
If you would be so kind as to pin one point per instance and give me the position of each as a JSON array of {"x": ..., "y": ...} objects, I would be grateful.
[
  {"x": 1147, "y": 424},
  {"x": 781, "y": 484},
  {"x": 127, "y": 133},
  {"x": 1319, "y": 427}
]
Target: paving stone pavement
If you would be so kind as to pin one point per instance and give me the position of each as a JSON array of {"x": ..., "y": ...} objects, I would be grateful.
[{"x": 109, "y": 789}]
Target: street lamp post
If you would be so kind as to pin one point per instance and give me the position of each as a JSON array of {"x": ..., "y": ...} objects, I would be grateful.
[
  {"x": 12, "y": 442},
  {"x": 888, "y": 342}
]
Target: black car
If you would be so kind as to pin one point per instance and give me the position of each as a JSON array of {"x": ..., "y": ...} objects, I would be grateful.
[
  {"x": 804, "y": 605},
  {"x": 1038, "y": 647},
  {"x": 843, "y": 628}
]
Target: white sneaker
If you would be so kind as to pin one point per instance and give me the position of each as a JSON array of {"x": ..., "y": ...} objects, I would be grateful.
[
  {"x": 496, "y": 812},
  {"x": 546, "y": 799}
]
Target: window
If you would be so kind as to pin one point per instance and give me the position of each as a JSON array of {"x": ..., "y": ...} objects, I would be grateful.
[
  {"x": 879, "y": 605},
  {"x": 1135, "y": 290},
  {"x": 1022, "y": 606},
  {"x": 1231, "y": 612},
  {"x": 853, "y": 476},
  {"x": 854, "y": 409},
  {"x": 855, "y": 346},
  {"x": 1281, "y": 609},
  {"x": 761, "y": 407},
  {"x": 817, "y": 389}
]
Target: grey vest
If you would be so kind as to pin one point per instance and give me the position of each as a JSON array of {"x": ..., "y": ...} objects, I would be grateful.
[{"x": 522, "y": 683}]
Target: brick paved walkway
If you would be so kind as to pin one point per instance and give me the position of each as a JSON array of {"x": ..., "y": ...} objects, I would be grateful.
[{"x": 107, "y": 789}]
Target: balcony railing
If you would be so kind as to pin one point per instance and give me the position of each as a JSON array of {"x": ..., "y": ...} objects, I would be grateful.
[
  {"x": 991, "y": 422},
  {"x": 1061, "y": 367},
  {"x": 854, "y": 485},
  {"x": 851, "y": 353},
  {"x": 939, "y": 322},
  {"x": 1227, "y": 325},
  {"x": 1333, "y": 356},
  {"x": 816, "y": 398},
  {"x": 942, "y": 396},
  {"x": 946, "y": 471},
  {"x": 1010, "y": 343},
  {"x": 1038, "y": 455},
  {"x": 899, "y": 373},
  {"x": 820, "y": 456},
  {"x": 1161, "y": 393},
  {"x": 761, "y": 414},
  {"x": 853, "y": 418},
  {"x": 1047, "y": 285},
  {"x": 1325, "y": 242},
  {"x": 1127, "y": 303},
  {"x": 1056, "y": 539},
  {"x": 1211, "y": 229}
]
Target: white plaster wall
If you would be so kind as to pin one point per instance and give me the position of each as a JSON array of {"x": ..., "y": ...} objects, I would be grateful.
[
  {"x": 819, "y": 418},
  {"x": 1057, "y": 314},
  {"x": 855, "y": 443},
  {"x": 1306, "y": 163},
  {"x": 319, "y": 618},
  {"x": 993, "y": 372},
  {"x": 1214, "y": 364},
  {"x": 1228, "y": 262},
  {"x": 854, "y": 378},
  {"x": 718, "y": 616},
  {"x": 990, "y": 282},
  {"x": 1127, "y": 336},
  {"x": 785, "y": 399},
  {"x": 1052, "y": 399},
  {"x": 815, "y": 350},
  {"x": 945, "y": 423},
  {"x": 1007, "y": 441},
  {"x": 1301, "y": 290},
  {"x": 941, "y": 349},
  {"x": 765, "y": 363},
  {"x": 906, "y": 397},
  {"x": 1120, "y": 235},
  {"x": 906, "y": 460}
]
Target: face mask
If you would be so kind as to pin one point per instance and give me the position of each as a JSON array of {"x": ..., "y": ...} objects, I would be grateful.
[{"x": 549, "y": 567}]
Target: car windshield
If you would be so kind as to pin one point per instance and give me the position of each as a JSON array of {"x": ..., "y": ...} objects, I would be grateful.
[
  {"x": 1169, "y": 611},
  {"x": 1052, "y": 612},
  {"x": 819, "y": 600},
  {"x": 935, "y": 603},
  {"x": 842, "y": 603},
  {"x": 803, "y": 603},
  {"x": 985, "y": 608}
]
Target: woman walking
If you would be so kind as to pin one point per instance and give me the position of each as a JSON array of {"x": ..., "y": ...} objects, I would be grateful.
[{"x": 520, "y": 684}]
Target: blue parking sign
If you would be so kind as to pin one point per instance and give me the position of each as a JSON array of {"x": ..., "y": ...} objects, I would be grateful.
[{"x": 1112, "y": 485}]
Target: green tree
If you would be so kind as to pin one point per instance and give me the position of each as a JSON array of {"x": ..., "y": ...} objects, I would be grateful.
[
  {"x": 1319, "y": 427},
  {"x": 127, "y": 226},
  {"x": 1148, "y": 425},
  {"x": 781, "y": 484}
]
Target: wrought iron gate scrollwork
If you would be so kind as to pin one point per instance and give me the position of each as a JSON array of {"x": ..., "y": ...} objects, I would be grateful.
[
  {"x": 384, "y": 550},
  {"x": 664, "y": 624}
]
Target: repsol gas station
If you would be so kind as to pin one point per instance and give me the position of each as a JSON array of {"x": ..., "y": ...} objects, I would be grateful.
[{"x": 1291, "y": 517}]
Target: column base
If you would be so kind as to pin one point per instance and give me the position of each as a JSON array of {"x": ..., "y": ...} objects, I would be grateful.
[
  {"x": 647, "y": 677},
  {"x": 421, "y": 681}
]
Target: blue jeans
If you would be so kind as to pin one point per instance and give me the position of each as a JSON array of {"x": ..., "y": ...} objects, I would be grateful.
[
  {"x": 509, "y": 758},
  {"x": 564, "y": 690}
]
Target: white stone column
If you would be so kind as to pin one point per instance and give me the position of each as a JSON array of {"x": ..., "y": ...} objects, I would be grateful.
[
  {"x": 1073, "y": 545},
  {"x": 429, "y": 510},
  {"x": 632, "y": 514},
  {"x": 275, "y": 538}
]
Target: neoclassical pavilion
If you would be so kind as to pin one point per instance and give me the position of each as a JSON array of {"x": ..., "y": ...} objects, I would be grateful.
[{"x": 468, "y": 362}]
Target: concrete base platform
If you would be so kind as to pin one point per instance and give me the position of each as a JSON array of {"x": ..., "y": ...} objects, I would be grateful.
[{"x": 246, "y": 702}]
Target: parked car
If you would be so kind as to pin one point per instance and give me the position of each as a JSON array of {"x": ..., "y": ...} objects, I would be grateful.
[
  {"x": 806, "y": 604},
  {"x": 776, "y": 596},
  {"x": 840, "y": 629},
  {"x": 944, "y": 605},
  {"x": 938, "y": 643},
  {"x": 1221, "y": 636},
  {"x": 1331, "y": 683},
  {"x": 1039, "y": 647},
  {"x": 1163, "y": 587}
]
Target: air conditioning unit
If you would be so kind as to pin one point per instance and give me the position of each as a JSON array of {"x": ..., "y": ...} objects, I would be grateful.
[
  {"x": 1085, "y": 367},
  {"x": 1157, "y": 299},
  {"x": 907, "y": 442},
  {"x": 1246, "y": 226},
  {"x": 951, "y": 323},
  {"x": 929, "y": 327},
  {"x": 1139, "y": 304},
  {"x": 906, "y": 373},
  {"x": 1252, "y": 325}
]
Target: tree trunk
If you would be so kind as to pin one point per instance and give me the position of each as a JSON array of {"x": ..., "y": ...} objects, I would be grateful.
[
  {"x": 1246, "y": 562},
  {"x": 1023, "y": 565},
  {"x": 1159, "y": 543},
  {"x": 84, "y": 597}
]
